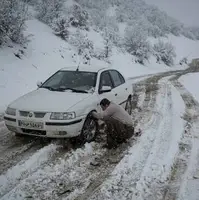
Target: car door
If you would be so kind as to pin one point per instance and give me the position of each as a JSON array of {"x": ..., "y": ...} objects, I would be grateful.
[
  {"x": 120, "y": 87},
  {"x": 105, "y": 80}
]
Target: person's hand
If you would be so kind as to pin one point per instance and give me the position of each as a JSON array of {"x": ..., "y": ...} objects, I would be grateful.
[{"x": 91, "y": 115}]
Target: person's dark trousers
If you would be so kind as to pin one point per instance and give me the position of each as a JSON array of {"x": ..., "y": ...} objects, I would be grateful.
[{"x": 117, "y": 132}]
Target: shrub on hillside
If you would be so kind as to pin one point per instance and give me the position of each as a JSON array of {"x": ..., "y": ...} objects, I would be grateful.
[
  {"x": 195, "y": 32},
  {"x": 61, "y": 28},
  {"x": 49, "y": 10},
  {"x": 136, "y": 43},
  {"x": 84, "y": 46},
  {"x": 183, "y": 61},
  {"x": 111, "y": 38},
  {"x": 164, "y": 52},
  {"x": 79, "y": 17},
  {"x": 13, "y": 14}
]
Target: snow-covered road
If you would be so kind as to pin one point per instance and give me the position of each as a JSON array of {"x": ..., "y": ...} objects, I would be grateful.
[{"x": 161, "y": 164}]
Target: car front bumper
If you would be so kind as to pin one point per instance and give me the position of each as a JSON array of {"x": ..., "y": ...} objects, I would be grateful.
[{"x": 50, "y": 129}]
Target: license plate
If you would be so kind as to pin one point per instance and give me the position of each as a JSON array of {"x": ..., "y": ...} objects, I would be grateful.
[{"x": 31, "y": 125}]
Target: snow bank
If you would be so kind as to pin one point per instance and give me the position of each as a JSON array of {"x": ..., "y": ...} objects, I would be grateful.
[{"x": 190, "y": 81}]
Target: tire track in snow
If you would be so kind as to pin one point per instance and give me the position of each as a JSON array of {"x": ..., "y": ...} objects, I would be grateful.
[
  {"x": 190, "y": 184},
  {"x": 187, "y": 150},
  {"x": 154, "y": 179},
  {"x": 14, "y": 149},
  {"x": 52, "y": 180},
  {"x": 148, "y": 187},
  {"x": 16, "y": 174}
]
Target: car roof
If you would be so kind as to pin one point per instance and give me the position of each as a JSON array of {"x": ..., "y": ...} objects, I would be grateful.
[{"x": 86, "y": 68}]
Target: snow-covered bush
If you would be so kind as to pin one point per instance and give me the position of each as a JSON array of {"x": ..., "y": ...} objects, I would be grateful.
[
  {"x": 84, "y": 46},
  {"x": 175, "y": 27},
  {"x": 13, "y": 14},
  {"x": 136, "y": 43},
  {"x": 97, "y": 12},
  {"x": 183, "y": 61},
  {"x": 195, "y": 32},
  {"x": 50, "y": 10},
  {"x": 61, "y": 28},
  {"x": 109, "y": 22},
  {"x": 79, "y": 17},
  {"x": 108, "y": 42},
  {"x": 164, "y": 52},
  {"x": 148, "y": 17}
]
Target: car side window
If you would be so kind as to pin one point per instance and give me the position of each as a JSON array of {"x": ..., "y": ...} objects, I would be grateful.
[
  {"x": 121, "y": 78},
  {"x": 105, "y": 80},
  {"x": 116, "y": 78}
]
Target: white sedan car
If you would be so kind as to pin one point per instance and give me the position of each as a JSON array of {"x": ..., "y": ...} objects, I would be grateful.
[{"x": 60, "y": 107}]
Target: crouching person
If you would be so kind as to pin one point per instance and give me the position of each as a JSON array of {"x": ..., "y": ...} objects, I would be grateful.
[{"x": 118, "y": 122}]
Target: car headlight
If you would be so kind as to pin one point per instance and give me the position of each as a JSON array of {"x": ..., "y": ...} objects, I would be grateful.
[
  {"x": 62, "y": 116},
  {"x": 11, "y": 111}
]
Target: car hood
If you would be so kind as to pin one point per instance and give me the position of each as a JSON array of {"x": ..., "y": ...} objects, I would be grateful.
[{"x": 48, "y": 101}]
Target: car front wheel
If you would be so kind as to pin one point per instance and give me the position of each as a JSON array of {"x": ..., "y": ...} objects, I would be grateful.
[{"x": 89, "y": 130}]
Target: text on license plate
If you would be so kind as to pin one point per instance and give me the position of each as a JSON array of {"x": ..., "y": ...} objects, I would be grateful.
[{"x": 28, "y": 124}]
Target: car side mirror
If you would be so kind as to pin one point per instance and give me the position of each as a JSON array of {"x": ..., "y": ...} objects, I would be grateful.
[
  {"x": 39, "y": 83},
  {"x": 105, "y": 89}
]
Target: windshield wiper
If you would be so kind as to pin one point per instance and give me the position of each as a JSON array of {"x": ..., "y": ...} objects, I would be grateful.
[
  {"x": 49, "y": 88},
  {"x": 62, "y": 89}
]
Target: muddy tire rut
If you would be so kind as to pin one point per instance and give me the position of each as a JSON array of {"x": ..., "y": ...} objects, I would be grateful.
[{"x": 191, "y": 118}]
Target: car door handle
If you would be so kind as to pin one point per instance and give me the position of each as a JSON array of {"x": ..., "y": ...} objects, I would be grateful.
[{"x": 116, "y": 94}]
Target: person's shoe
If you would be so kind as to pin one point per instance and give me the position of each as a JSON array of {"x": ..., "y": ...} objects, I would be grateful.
[
  {"x": 138, "y": 133},
  {"x": 122, "y": 141}
]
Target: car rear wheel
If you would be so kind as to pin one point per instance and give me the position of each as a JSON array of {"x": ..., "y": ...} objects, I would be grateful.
[{"x": 128, "y": 106}]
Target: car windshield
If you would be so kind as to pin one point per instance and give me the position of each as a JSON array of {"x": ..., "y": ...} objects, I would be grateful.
[{"x": 76, "y": 81}]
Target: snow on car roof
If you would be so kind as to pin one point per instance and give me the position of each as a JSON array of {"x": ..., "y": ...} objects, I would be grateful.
[{"x": 85, "y": 68}]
